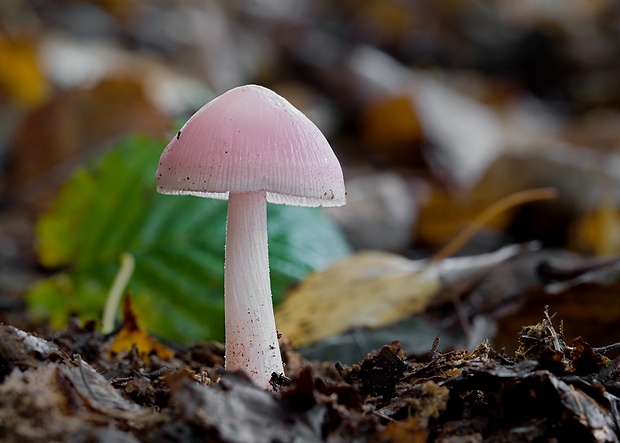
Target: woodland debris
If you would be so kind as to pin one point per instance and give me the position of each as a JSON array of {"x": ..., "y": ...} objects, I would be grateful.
[{"x": 549, "y": 389}]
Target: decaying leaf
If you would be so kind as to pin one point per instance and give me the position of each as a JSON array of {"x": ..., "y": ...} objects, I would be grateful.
[
  {"x": 366, "y": 290},
  {"x": 132, "y": 335},
  {"x": 97, "y": 392},
  {"x": 380, "y": 211},
  {"x": 389, "y": 396},
  {"x": 491, "y": 296},
  {"x": 238, "y": 412},
  {"x": 47, "y": 396},
  {"x": 410, "y": 430},
  {"x": 598, "y": 231},
  {"x": 467, "y": 133},
  {"x": 21, "y": 348},
  {"x": 72, "y": 127},
  {"x": 37, "y": 405},
  {"x": 392, "y": 130},
  {"x": 373, "y": 289},
  {"x": 21, "y": 74}
]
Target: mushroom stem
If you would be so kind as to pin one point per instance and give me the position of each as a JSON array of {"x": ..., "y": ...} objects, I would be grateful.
[{"x": 251, "y": 336}]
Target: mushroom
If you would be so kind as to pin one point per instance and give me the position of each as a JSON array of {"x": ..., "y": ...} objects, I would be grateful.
[{"x": 251, "y": 146}]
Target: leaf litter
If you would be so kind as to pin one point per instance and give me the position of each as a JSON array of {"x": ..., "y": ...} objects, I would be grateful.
[{"x": 71, "y": 384}]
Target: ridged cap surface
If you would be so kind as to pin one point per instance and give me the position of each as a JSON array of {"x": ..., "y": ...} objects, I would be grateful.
[{"x": 251, "y": 139}]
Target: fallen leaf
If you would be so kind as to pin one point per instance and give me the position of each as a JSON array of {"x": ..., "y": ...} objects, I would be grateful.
[
  {"x": 467, "y": 133},
  {"x": 39, "y": 405},
  {"x": 368, "y": 289},
  {"x": 70, "y": 128},
  {"x": 598, "y": 231},
  {"x": 374, "y": 289},
  {"x": 96, "y": 391},
  {"x": 237, "y": 411},
  {"x": 132, "y": 335},
  {"x": 21, "y": 75},
  {"x": 392, "y": 131},
  {"x": 444, "y": 214},
  {"x": 24, "y": 349},
  {"x": 47, "y": 396},
  {"x": 410, "y": 430}
]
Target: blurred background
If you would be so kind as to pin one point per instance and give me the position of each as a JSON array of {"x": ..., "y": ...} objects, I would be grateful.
[{"x": 436, "y": 109}]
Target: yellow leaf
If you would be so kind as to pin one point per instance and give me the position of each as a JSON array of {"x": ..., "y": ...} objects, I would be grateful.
[
  {"x": 370, "y": 289},
  {"x": 410, "y": 430},
  {"x": 132, "y": 335},
  {"x": 598, "y": 232},
  {"x": 20, "y": 75}
]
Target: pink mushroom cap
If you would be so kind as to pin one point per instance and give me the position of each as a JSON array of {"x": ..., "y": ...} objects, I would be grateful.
[{"x": 251, "y": 139}]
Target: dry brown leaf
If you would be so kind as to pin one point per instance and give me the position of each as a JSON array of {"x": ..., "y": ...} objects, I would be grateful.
[
  {"x": 389, "y": 20},
  {"x": 369, "y": 289},
  {"x": 66, "y": 130},
  {"x": 392, "y": 131}
]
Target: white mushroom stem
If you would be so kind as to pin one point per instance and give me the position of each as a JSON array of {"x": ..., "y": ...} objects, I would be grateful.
[{"x": 251, "y": 337}]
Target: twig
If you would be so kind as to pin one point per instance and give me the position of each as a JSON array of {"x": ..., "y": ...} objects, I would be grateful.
[
  {"x": 608, "y": 348},
  {"x": 380, "y": 414},
  {"x": 554, "y": 335}
]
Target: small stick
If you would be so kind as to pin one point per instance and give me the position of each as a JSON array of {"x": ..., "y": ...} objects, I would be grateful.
[
  {"x": 608, "y": 348},
  {"x": 554, "y": 334},
  {"x": 380, "y": 414},
  {"x": 512, "y": 200}
]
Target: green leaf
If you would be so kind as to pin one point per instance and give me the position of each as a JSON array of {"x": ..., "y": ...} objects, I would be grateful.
[{"x": 177, "y": 242}]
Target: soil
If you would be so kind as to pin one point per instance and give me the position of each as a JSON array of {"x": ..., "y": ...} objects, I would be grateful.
[{"x": 71, "y": 387}]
